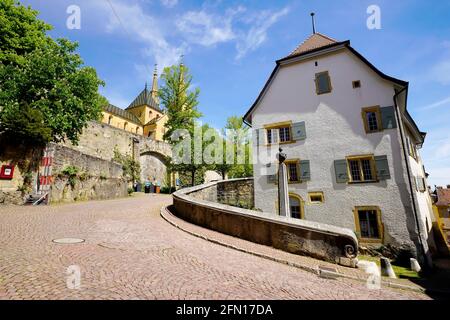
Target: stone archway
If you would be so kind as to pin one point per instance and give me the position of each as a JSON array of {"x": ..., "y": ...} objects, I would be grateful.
[{"x": 153, "y": 157}]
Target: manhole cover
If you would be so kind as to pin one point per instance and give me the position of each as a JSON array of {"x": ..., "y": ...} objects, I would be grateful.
[{"x": 68, "y": 240}]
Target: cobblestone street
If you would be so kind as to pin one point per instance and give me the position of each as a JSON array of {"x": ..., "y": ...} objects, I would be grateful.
[{"x": 130, "y": 252}]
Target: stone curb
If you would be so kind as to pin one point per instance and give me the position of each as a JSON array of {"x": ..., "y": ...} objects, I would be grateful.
[{"x": 168, "y": 216}]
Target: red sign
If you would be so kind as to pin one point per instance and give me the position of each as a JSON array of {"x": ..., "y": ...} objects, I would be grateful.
[{"x": 7, "y": 172}]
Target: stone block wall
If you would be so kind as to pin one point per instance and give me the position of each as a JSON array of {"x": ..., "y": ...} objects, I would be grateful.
[
  {"x": 96, "y": 178},
  {"x": 237, "y": 193},
  {"x": 199, "y": 205},
  {"x": 99, "y": 140}
]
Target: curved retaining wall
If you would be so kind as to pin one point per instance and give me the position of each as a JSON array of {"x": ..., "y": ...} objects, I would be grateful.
[{"x": 199, "y": 205}]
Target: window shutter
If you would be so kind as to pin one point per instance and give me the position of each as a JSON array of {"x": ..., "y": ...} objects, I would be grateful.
[
  {"x": 416, "y": 183},
  {"x": 421, "y": 183},
  {"x": 382, "y": 165},
  {"x": 260, "y": 136},
  {"x": 275, "y": 136},
  {"x": 272, "y": 178},
  {"x": 388, "y": 117},
  {"x": 305, "y": 170},
  {"x": 340, "y": 168},
  {"x": 299, "y": 131}
]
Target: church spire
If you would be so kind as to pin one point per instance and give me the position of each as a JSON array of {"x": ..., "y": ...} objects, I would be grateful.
[{"x": 154, "y": 91}]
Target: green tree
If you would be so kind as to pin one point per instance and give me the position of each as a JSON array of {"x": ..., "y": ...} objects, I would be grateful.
[
  {"x": 181, "y": 104},
  {"x": 189, "y": 160},
  {"x": 238, "y": 139},
  {"x": 46, "y": 92},
  {"x": 179, "y": 101}
]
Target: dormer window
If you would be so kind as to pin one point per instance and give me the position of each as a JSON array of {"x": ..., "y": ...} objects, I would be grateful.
[{"x": 323, "y": 83}]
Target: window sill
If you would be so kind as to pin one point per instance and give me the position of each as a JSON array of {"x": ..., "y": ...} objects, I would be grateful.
[
  {"x": 363, "y": 182},
  {"x": 276, "y": 144}
]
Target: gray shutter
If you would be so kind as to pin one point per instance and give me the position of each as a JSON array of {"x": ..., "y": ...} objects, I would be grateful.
[
  {"x": 388, "y": 118},
  {"x": 382, "y": 165},
  {"x": 422, "y": 186},
  {"x": 299, "y": 131},
  {"x": 416, "y": 184},
  {"x": 260, "y": 136},
  {"x": 305, "y": 170},
  {"x": 340, "y": 168},
  {"x": 272, "y": 178}
]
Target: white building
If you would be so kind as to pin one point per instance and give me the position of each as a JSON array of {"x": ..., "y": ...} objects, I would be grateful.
[{"x": 352, "y": 147}]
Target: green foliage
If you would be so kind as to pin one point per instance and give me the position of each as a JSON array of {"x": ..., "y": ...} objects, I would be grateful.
[
  {"x": 239, "y": 139},
  {"x": 179, "y": 102},
  {"x": 181, "y": 106},
  {"x": 46, "y": 94},
  {"x": 71, "y": 173},
  {"x": 131, "y": 168},
  {"x": 130, "y": 191}
]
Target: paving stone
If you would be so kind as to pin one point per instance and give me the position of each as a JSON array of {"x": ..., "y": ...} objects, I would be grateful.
[{"x": 130, "y": 252}]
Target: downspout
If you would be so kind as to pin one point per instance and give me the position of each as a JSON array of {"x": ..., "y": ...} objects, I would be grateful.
[{"x": 408, "y": 170}]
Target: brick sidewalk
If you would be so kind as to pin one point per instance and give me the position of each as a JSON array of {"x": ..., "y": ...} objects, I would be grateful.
[
  {"x": 302, "y": 262},
  {"x": 130, "y": 252}
]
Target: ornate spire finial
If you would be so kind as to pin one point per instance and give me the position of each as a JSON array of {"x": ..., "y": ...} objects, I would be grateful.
[
  {"x": 154, "y": 91},
  {"x": 313, "y": 22}
]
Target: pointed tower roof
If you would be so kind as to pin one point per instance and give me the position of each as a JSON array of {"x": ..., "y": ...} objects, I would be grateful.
[
  {"x": 315, "y": 41},
  {"x": 154, "y": 91},
  {"x": 145, "y": 99}
]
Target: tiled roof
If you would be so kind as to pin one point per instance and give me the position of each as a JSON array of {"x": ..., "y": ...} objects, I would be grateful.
[
  {"x": 122, "y": 113},
  {"x": 145, "y": 98},
  {"x": 315, "y": 41},
  {"x": 443, "y": 196}
]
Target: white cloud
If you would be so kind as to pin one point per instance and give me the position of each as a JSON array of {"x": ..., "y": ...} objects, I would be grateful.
[
  {"x": 169, "y": 3},
  {"x": 257, "y": 34},
  {"x": 137, "y": 25},
  {"x": 208, "y": 29},
  {"x": 441, "y": 72},
  {"x": 437, "y": 104}
]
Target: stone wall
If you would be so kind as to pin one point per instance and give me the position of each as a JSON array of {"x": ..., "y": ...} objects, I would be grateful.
[
  {"x": 197, "y": 205},
  {"x": 96, "y": 178},
  {"x": 92, "y": 188},
  {"x": 99, "y": 140},
  {"x": 237, "y": 193}
]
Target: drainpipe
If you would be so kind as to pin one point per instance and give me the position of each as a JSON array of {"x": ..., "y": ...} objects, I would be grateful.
[{"x": 408, "y": 170}]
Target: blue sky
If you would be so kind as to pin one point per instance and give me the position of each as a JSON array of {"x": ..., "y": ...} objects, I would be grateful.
[{"x": 231, "y": 48}]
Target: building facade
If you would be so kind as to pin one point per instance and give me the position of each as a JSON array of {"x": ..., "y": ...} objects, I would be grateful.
[
  {"x": 143, "y": 116},
  {"x": 352, "y": 147}
]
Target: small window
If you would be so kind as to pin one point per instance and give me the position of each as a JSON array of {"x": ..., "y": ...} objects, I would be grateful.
[
  {"x": 368, "y": 223},
  {"x": 278, "y": 134},
  {"x": 293, "y": 170},
  {"x": 356, "y": 84},
  {"x": 372, "y": 119},
  {"x": 110, "y": 119},
  {"x": 361, "y": 169},
  {"x": 285, "y": 134},
  {"x": 323, "y": 83},
  {"x": 316, "y": 197},
  {"x": 295, "y": 204},
  {"x": 125, "y": 125}
]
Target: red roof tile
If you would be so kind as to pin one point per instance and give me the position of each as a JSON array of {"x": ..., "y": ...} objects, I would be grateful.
[{"x": 315, "y": 41}]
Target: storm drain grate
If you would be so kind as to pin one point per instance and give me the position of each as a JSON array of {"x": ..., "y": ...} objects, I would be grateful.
[{"x": 68, "y": 240}]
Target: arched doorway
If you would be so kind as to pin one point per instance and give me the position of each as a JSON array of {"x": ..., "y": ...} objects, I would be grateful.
[{"x": 296, "y": 206}]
